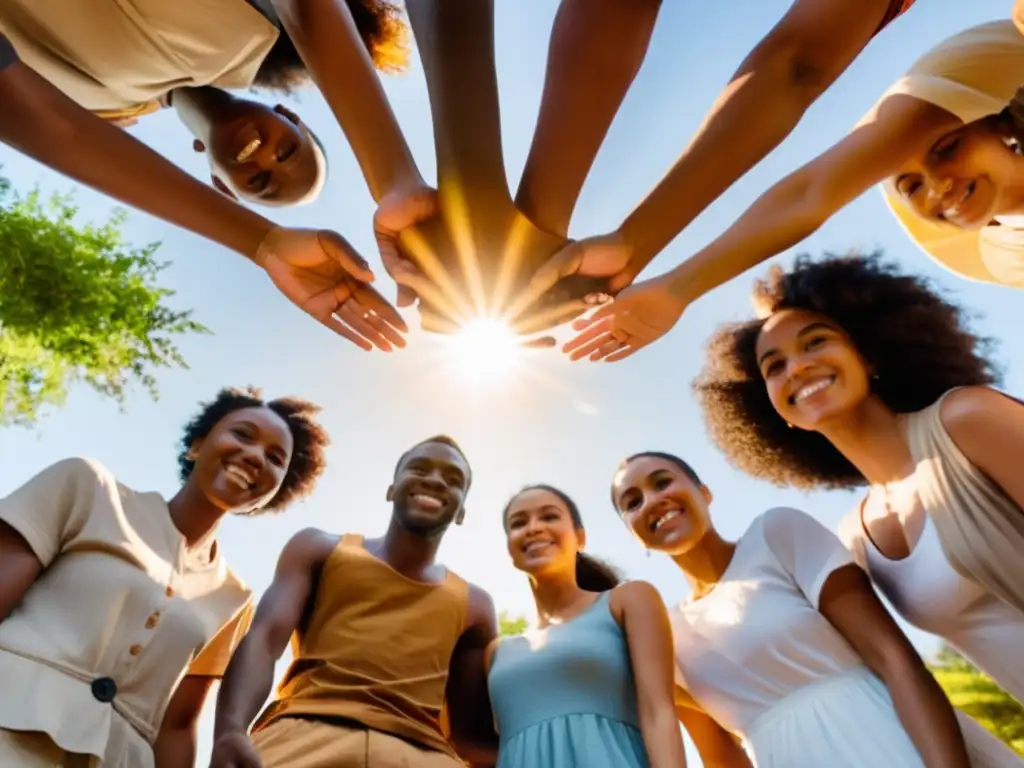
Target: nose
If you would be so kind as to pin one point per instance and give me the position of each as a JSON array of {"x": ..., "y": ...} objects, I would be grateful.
[
  {"x": 434, "y": 481},
  {"x": 937, "y": 189},
  {"x": 254, "y": 459}
]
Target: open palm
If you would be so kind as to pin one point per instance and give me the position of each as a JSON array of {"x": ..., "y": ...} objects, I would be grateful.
[
  {"x": 641, "y": 314},
  {"x": 321, "y": 274}
]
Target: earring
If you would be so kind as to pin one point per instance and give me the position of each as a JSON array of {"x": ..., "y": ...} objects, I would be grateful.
[
  {"x": 789, "y": 425},
  {"x": 648, "y": 554}
]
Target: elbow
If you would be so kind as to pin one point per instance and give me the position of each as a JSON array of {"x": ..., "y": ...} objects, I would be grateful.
[{"x": 796, "y": 76}]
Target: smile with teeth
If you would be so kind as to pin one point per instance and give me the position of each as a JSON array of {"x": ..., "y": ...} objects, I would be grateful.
[
  {"x": 534, "y": 546},
  {"x": 427, "y": 501},
  {"x": 954, "y": 211},
  {"x": 248, "y": 150},
  {"x": 239, "y": 477},
  {"x": 812, "y": 388},
  {"x": 672, "y": 514}
]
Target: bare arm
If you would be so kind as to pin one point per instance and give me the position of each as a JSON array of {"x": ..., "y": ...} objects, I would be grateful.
[
  {"x": 989, "y": 428},
  {"x": 716, "y": 746},
  {"x": 40, "y": 121},
  {"x": 326, "y": 37},
  {"x": 850, "y": 604},
  {"x": 768, "y": 95},
  {"x": 176, "y": 743},
  {"x": 19, "y": 569},
  {"x": 250, "y": 675},
  {"x": 469, "y": 706},
  {"x": 794, "y": 208},
  {"x": 640, "y": 611},
  {"x": 456, "y": 45},
  {"x": 596, "y": 50}
]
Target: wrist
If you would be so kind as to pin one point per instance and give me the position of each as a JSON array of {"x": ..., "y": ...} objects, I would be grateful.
[{"x": 632, "y": 235}]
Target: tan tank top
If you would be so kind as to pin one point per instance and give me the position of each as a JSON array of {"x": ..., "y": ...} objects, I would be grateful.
[{"x": 376, "y": 650}]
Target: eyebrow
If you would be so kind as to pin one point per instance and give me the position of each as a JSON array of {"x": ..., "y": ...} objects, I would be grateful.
[{"x": 817, "y": 325}]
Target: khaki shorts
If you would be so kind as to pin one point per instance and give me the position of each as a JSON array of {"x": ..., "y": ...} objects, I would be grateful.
[
  {"x": 292, "y": 742},
  {"x": 31, "y": 749}
]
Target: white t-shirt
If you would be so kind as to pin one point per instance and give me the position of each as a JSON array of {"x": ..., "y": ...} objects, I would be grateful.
[{"x": 758, "y": 637}]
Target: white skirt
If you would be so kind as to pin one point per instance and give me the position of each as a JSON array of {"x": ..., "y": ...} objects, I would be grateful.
[{"x": 849, "y": 721}]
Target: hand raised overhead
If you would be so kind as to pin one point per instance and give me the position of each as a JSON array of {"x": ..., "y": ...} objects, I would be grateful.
[{"x": 323, "y": 276}]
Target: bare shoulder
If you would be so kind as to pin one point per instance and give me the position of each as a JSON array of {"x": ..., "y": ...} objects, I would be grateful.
[
  {"x": 969, "y": 409},
  {"x": 480, "y": 612},
  {"x": 310, "y": 548},
  {"x": 636, "y": 597}
]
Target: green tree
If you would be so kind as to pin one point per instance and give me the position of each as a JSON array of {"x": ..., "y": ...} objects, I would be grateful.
[
  {"x": 77, "y": 304},
  {"x": 972, "y": 691},
  {"x": 511, "y": 626}
]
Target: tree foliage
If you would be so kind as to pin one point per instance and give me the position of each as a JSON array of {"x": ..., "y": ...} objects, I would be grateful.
[
  {"x": 511, "y": 626},
  {"x": 77, "y": 304},
  {"x": 973, "y": 692}
]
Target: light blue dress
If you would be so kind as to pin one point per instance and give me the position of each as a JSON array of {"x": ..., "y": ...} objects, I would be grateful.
[{"x": 564, "y": 696}]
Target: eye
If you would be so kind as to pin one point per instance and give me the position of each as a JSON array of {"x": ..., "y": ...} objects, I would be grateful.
[
  {"x": 772, "y": 368},
  {"x": 662, "y": 483},
  {"x": 259, "y": 182},
  {"x": 947, "y": 148},
  {"x": 242, "y": 434},
  {"x": 286, "y": 151},
  {"x": 815, "y": 341},
  {"x": 276, "y": 459}
]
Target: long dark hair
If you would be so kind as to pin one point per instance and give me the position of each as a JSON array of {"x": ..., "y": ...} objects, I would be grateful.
[{"x": 592, "y": 574}]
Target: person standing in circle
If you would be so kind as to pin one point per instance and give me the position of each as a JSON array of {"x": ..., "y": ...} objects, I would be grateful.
[
  {"x": 117, "y": 608},
  {"x": 591, "y": 685}
]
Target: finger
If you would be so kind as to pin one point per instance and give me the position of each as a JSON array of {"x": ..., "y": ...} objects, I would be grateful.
[
  {"x": 348, "y": 314},
  {"x": 610, "y": 346},
  {"x": 344, "y": 331},
  {"x": 406, "y": 296},
  {"x": 600, "y": 314},
  {"x": 621, "y": 281},
  {"x": 542, "y": 342},
  {"x": 593, "y": 345},
  {"x": 549, "y": 317},
  {"x": 622, "y": 354},
  {"x": 338, "y": 248},
  {"x": 433, "y": 322},
  {"x": 562, "y": 264},
  {"x": 380, "y": 325},
  {"x": 371, "y": 300},
  {"x": 429, "y": 293},
  {"x": 586, "y": 337}
]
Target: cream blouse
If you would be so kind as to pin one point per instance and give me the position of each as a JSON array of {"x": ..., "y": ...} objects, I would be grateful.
[
  {"x": 114, "y": 55},
  {"x": 120, "y": 614}
]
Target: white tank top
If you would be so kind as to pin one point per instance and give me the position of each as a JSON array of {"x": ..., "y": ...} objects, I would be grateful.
[{"x": 926, "y": 591}]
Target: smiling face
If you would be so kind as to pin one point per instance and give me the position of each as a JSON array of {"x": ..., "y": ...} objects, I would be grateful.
[
  {"x": 430, "y": 488},
  {"x": 241, "y": 464},
  {"x": 262, "y": 155},
  {"x": 541, "y": 534},
  {"x": 812, "y": 371},
  {"x": 662, "y": 504},
  {"x": 966, "y": 178}
]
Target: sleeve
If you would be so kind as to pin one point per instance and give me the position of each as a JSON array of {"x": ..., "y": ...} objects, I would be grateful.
[
  {"x": 51, "y": 508},
  {"x": 807, "y": 550},
  {"x": 213, "y": 660}
]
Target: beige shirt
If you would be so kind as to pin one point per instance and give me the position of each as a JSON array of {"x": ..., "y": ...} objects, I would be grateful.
[
  {"x": 115, "y": 55},
  {"x": 121, "y": 605}
]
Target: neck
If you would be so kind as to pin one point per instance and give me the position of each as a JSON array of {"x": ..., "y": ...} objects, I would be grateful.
[
  {"x": 873, "y": 439},
  {"x": 704, "y": 565},
  {"x": 198, "y": 108},
  {"x": 408, "y": 552},
  {"x": 554, "y": 596},
  {"x": 193, "y": 514}
]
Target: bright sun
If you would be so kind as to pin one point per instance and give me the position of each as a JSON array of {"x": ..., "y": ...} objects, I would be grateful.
[{"x": 486, "y": 351}]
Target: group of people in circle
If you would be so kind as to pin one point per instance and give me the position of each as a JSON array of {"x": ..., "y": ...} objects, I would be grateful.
[{"x": 118, "y": 610}]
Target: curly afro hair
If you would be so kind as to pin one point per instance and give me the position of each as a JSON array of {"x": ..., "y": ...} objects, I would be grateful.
[
  {"x": 917, "y": 344},
  {"x": 382, "y": 28},
  {"x": 308, "y": 461}
]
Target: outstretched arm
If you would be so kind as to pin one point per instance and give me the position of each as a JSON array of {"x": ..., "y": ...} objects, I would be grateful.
[
  {"x": 326, "y": 37},
  {"x": 250, "y": 675},
  {"x": 789, "y": 69},
  {"x": 596, "y": 50},
  {"x": 40, "y": 121}
]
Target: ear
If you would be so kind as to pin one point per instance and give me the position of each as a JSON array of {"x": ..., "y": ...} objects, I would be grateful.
[
  {"x": 198, "y": 146},
  {"x": 287, "y": 113},
  {"x": 390, "y": 495},
  {"x": 194, "y": 449},
  {"x": 581, "y": 537},
  {"x": 223, "y": 188},
  {"x": 706, "y": 493},
  {"x": 460, "y": 516}
]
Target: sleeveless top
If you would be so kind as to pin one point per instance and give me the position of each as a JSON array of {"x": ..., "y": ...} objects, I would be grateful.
[
  {"x": 376, "y": 649},
  {"x": 579, "y": 672}
]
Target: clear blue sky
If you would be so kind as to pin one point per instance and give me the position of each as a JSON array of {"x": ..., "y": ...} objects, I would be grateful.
[{"x": 570, "y": 424}]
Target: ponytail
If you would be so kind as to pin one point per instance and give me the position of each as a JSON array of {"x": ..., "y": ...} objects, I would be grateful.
[{"x": 595, "y": 575}]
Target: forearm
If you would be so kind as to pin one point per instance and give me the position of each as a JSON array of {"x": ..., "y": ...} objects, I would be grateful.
[
  {"x": 757, "y": 110},
  {"x": 662, "y": 739},
  {"x": 326, "y": 37},
  {"x": 246, "y": 685},
  {"x": 783, "y": 217},
  {"x": 596, "y": 50},
  {"x": 43, "y": 123},
  {"x": 456, "y": 45},
  {"x": 176, "y": 748},
  {"x": 926, "y": 714}
]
